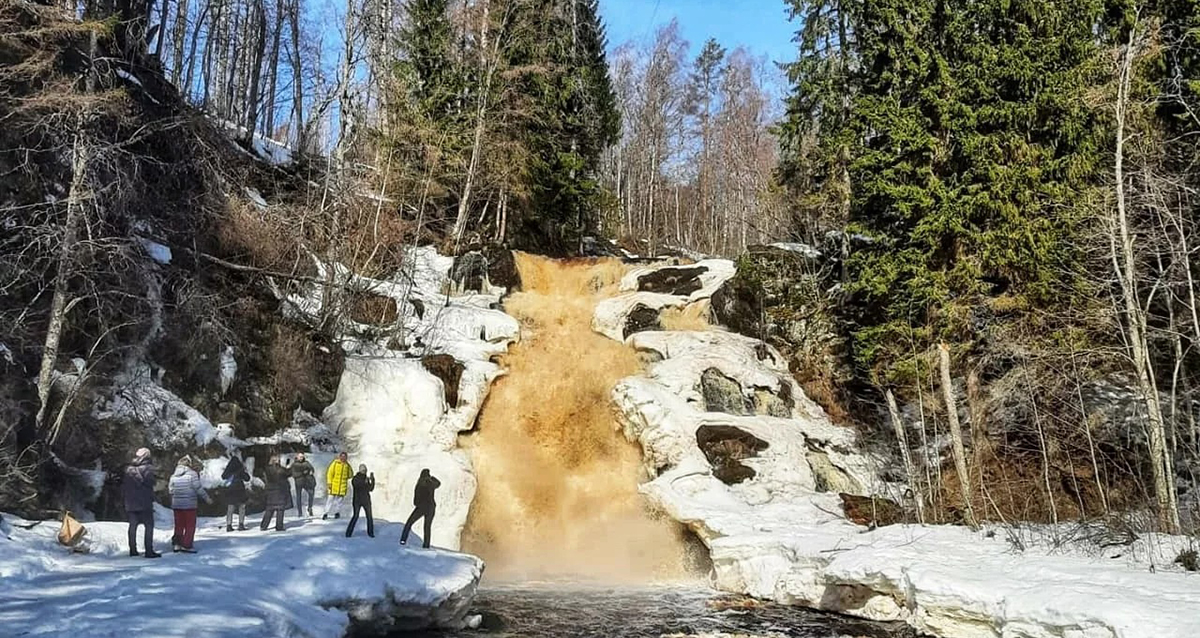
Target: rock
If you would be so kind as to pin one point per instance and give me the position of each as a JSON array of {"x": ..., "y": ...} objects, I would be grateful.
[
  {"x": 469, "y": 272},
  {"x": 767, "y": 403},
  {"x": 502, "y": 268},
  {"x": 871, "y": 511},
  {"x": 611, "y": 317},
  {"x": 722, "y": 394},
  {"x": 681, "y": 281},
  {"x": 725, "y": 446},
  {"x": 641, "y": 318},
  {"x": 449, "y": 370}
]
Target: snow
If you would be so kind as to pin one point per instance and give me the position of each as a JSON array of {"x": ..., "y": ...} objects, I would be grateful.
[
  {"x": 129, "y": 77},
  {"x": 803, "y": 249},
  {"x": 256, "y": 197},
  {"x": 6, "y": 353},
  {"x": 777, "y": 536},
  {"x": 389, "y": 409},
  {"x": 156, "y": 251},
  {"x": 169, "y": 421},
  {"x": 228, "y": 369},
  {"x": 306, "y": 581},
  {"x": 268, "y": 150},
  {"x": 612, "y": 313}
]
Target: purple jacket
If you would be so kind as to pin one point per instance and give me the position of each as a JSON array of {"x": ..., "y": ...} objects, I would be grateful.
[{"x": 138, "y": 487}]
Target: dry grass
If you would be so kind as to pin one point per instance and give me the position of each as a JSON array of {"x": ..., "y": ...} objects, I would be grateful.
[{"x": 691, "y": 317}]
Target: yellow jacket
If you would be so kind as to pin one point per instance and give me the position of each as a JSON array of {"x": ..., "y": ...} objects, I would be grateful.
[{"x": 337, "y": 477}]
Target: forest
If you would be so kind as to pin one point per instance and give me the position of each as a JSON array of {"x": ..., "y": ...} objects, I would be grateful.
[{"x": 1001, "y": 194}]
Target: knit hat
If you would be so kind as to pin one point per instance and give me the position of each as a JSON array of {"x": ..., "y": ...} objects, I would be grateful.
[{"x": 142, "y": 453}]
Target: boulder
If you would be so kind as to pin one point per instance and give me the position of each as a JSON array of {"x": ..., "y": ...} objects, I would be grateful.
[{"x": 725, "y": 446}]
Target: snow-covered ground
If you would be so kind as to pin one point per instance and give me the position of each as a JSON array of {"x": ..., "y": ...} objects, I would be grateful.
[
  {"x": 781, "y": 534},
  {"x": 307, "y": 581}
]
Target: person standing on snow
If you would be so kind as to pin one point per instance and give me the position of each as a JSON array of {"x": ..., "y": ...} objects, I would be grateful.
[
  {"x": 363, "y": 486},
  {"x": 337, "y": 478},
  {"x": 186, "y": 491},
  {"x": 303, "y": 475},
  {"x": 424, "y": 506},
  {"x": 236, "y": 477},
  {"x": 279, "y": 494},
  {"x": 138, "y": 490}
]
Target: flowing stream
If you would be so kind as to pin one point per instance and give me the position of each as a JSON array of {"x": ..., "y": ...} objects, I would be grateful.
[{"x": 558, "y": 610}]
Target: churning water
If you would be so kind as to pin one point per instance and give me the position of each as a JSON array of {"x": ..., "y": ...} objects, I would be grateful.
[{"x": 558, "y": 610}]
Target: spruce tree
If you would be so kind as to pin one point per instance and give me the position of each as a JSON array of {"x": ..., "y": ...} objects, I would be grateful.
[
  {"x": 558, "y": 51},
  {"x": 972, "y": 141}
]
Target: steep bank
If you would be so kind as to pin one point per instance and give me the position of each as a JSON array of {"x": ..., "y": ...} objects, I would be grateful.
[
  {"x": 557, "y": 484},
  {"x": 750, "y": 464}
]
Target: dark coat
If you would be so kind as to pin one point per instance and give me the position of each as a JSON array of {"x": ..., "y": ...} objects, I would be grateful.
[
  {"x": 279, "y": 493},
  {"x": 236, "y": 475},
  {"x": 138, "y": 486},
  {"x": 363, "y": 485},
  {"x": 304, "y": 475},
  {"x": 423, "y": 495}
]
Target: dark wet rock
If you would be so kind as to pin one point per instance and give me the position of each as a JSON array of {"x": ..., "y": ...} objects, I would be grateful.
[
  {"x": 449, "y": 370},
  {"x": 673, "y": 281},
  {"x": 641, "y": 319},
  {"x": 502, "y": 268},
  {"x": 725, "y": 446}
]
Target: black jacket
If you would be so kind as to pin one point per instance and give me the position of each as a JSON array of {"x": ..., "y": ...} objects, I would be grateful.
[
  {"x": 279, "y": 493},
  {"x": 423, "y": 495},
  {"x": 363, "y": 485},
  {"x": 235, "y": 473}
]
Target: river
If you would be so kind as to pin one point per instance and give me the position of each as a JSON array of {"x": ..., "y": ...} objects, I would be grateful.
[{"x": 558, "y": 610}]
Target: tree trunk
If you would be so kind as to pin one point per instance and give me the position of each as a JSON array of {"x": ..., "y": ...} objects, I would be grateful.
[
  {"x": 297, "y": 79},
  {"x": 905, "y": 454},
  {"x": 273, "y": 69},
  {"x": 1122, "y": 248},
  {"x": 253, "y": 99},
  {"x": 960, "y": 456},
  {"x": 81, "y": 154}
]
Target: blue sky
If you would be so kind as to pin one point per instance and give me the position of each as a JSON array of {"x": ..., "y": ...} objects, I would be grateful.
[{"x": 759, "y": 25}]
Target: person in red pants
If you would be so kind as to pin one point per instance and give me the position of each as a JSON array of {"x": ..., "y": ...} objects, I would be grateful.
[{"x": 186, "y": 493}]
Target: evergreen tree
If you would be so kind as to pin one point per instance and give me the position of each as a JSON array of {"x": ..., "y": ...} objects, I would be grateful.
[
  {"x": 428, "y": 127},
  {"x": 558, "y": 50},
  {"x": 815, "y": 134},
  {"x": 972, "y": 139}
]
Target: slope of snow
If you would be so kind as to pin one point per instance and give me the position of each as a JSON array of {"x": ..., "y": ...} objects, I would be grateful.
[
  {"x": 307, "y": 581},
  {"x": 778, "y": 536}
]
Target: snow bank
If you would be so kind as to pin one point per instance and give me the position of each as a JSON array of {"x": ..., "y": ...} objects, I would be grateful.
[
  {"x": 612, "y": 314},
  {"x": 307, "y": 581},
  {"x": 780, "y": 533},
  {"x": 390, "y": 408}
]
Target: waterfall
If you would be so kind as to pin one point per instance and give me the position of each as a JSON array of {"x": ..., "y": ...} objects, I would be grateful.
[{"x": 557, "y": 483}]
